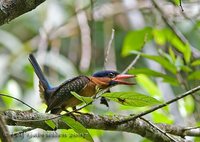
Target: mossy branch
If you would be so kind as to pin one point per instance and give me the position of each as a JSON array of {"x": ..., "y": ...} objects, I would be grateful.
[
  {"x": 11, "y": 9},
  {"x": 91, "y": 121}
]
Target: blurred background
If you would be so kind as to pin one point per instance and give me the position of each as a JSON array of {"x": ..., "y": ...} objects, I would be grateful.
[{"x": 72, "y": 37}]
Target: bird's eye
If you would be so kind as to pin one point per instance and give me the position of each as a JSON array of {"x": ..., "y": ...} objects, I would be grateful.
[{"x": 111, "y": 75}]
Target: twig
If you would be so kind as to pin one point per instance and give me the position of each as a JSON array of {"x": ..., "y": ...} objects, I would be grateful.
[
  {"x": 156, "y": 127},
  {"x": 131, "y": 64},
  {"x": 180, "y": 4},
  {"x": 159, "y": 106},
  {"x": 191, "y": 128},
  {"x": 192, "y": 131},
  {"x": 109, "y": 46},
  {"x": 4, "y": 95}
]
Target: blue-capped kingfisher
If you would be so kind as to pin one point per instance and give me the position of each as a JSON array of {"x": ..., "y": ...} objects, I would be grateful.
[{"x": 59, "y": 98}]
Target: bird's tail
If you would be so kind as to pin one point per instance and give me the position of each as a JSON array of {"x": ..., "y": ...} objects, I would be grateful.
[{"x": 44, "y": 86}]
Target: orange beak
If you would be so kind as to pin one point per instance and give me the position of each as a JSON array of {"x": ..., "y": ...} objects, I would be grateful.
[{"x": 119, "y": 79}]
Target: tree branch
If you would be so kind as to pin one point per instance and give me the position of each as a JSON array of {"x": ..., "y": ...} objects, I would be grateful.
[
  {"x": 159, "y": 106},
  {"x": 11, "y": 9},
  {"x": 4, "y": 134},
  {"x": 138, "y": 126}
]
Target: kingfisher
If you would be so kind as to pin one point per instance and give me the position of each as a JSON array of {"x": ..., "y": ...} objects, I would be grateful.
[{"x": 59, "y": 98}]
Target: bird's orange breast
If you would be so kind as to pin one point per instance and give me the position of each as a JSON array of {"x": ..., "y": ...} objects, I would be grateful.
[{"x": 88, "y": 91}]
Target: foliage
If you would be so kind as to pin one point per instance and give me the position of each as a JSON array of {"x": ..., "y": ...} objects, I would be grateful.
[
  {"x": 131, "y": 99},
  {"x": 77, "y": 127}
]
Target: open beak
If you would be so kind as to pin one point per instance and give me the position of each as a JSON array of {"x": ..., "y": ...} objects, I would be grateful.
[{"x": 119, "y": 79}]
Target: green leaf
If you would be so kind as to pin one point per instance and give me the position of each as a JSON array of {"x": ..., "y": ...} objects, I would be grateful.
[
  {"x": 186, "y": 68},
  {"x": 179, "y": 45},
  {"x": 10, "y": 86},
  {"x": 150, "y": 72},
  {"x": 196, "y": 63},
  {"x": 197, "y": 139},
  {"x": 162, "y": 61},
  {"x": 148, "y": 85},
  {"x": 86, "y": 100},
  {"x": 131, "y": 99},
  {"x": 172, "y": 54},
  {"x": 135, "y": 40},
  {"x": 50, "y": 123},
  {"x": 189, "y": 105},
  {"x": 177, "y": 2},
  {"x": 194, "y": 76},
  {"x": 7, "y": 101},
  {"x": 179, "y": 63},
  {"x": 186, "y": 106},
  {"x": 187, "y": 53},
  {"x": 77, "y": 127},
  {"x": 165, "y": 56},
  {"x": 162, "y": 117},
  {"x": 162, "y": 36}
]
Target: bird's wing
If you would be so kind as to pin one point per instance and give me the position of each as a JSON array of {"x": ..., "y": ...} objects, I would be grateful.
[{"x": 63, "y": 92}]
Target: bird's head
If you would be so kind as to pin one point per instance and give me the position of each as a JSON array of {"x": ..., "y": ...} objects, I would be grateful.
[{"x": 109, "y": 78}]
